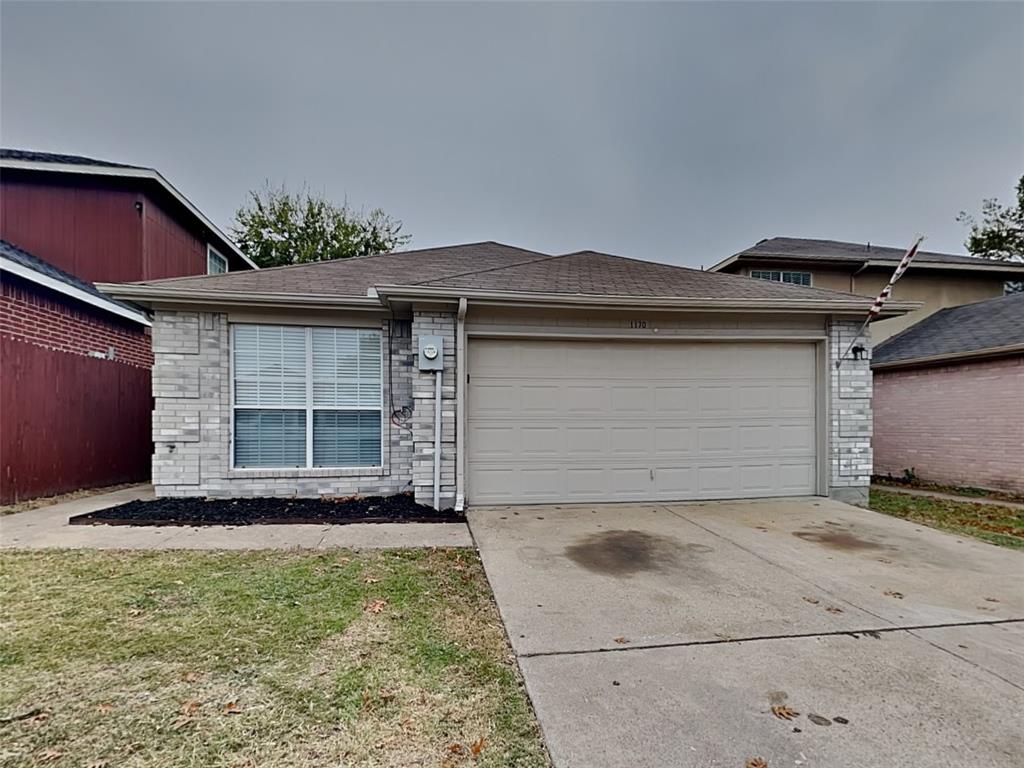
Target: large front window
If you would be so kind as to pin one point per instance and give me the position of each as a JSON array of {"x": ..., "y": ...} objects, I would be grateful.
[{"x": 306, "y": 397}]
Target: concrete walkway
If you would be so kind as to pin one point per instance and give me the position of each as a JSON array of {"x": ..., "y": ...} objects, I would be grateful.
[
  {"x": 663, "y": 634},
  {"x": 48, "y": 527},
  {"x": 950, "y": 496}
]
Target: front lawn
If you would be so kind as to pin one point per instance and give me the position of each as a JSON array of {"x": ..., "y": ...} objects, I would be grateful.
[
  {"x": 992, "y": 523},
  {"x": 256, "y": 659}
]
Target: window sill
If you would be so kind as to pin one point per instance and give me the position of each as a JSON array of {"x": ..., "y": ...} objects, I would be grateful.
[{"x": 256, "y": 473}]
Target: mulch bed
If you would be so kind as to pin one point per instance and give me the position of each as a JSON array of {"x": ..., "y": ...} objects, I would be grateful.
[{"x": 400, "y": 508}]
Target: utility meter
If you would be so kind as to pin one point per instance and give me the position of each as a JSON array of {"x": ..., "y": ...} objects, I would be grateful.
[{"x": 431, "y": 353}]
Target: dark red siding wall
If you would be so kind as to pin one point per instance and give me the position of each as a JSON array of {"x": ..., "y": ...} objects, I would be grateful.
[
  {"x": 169, "y": 250},
  {"x": 68, "y": 420},
  {"x": 91, "y": 230},
  {"x": 101, "y": 230}
]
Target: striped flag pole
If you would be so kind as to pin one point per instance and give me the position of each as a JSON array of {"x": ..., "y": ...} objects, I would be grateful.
[{"x": 876, "y": 308}]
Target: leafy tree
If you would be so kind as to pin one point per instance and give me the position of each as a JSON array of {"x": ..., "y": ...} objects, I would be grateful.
[
  {"x": 1000, "y": 235},
  {"x": 277, "y": 227}
]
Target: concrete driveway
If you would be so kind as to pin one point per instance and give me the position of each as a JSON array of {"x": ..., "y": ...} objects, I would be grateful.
[{"x": 663, "y": 634}]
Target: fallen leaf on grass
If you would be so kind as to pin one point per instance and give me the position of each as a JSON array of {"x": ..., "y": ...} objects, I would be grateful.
[
  {"x": 181, "y": 722},
  {"x": 190, "y": 707},
  {"x": 785, "y": 713},
  {"x": 370, "y": 580},
  {"x": 232, "y": 708},
  {"x": 477, "y": 746},
  {"x": 191, "y": 677},
  {"x": 105, "y": 708},
  {"x": 456, "y": 748},
  {"x": 894, "y": 593},
  {"x": 756, "y": 762},
  {"x": 98, "y": 764},
  {"x": 375, "y": 606},
  {"x": 49, "y": 755}
]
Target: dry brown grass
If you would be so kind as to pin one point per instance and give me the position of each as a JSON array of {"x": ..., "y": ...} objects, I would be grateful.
[{"x": 263, "y": 660}]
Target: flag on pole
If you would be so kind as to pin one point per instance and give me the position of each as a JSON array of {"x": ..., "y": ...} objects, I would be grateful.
[
  {"x": 876, "y": 308},
  {"x": 908, "y": 257}
]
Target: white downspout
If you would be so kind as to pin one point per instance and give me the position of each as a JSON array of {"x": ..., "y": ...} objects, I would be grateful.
[
  {"x": 437, "y": 439},
  {"x": 460, "y": 407}
]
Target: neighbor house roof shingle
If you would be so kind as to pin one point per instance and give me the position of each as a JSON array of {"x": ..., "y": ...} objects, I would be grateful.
[
  {"x": 798, "y": 248},
  {"x": 59, "y": 279},
  {"x": 491, "y": 266},
  {"x": 958, "y": 331},
  {"x": 32, "y": 156}
]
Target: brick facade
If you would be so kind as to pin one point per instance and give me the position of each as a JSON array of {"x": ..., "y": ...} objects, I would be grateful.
[
  {"x": 960, "y": 424},
  {"x": 42, "y": 318},
  {"x": 192, "y": 421},
  {"x": 849, "y": 415}
]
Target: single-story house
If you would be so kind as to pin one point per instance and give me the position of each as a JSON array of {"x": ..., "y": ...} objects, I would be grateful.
[
  {"x": 949, "y": 397},
  {"x": 581, "y": 377},
  {"x": 936, "y": 280}
]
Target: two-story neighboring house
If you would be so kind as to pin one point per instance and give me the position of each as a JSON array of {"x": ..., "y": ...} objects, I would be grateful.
[
  {"x": 75, "y": 385},
  {"x": 937, "y": 280}
]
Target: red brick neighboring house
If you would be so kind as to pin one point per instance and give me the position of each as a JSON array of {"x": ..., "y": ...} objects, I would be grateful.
[
  {"x": 75, "y": 391},
  {"x": 949, "y": 397}
]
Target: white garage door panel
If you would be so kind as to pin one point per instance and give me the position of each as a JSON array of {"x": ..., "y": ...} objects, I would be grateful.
[{"x": 553, "y": 421}]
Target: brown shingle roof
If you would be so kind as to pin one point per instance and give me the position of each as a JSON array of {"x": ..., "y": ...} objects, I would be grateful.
[{"x": 491, "y": 266}]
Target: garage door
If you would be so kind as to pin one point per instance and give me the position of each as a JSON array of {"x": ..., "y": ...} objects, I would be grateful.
[{"x": 552, "y": 421}]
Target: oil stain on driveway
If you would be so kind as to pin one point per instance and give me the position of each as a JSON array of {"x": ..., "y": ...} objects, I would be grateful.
[{"x": 802, "y": 632}]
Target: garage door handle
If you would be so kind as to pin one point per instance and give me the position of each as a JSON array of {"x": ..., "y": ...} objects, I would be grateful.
[{"x": 652, "y": 474}]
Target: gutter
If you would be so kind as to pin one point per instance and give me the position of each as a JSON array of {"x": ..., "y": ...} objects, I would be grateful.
[
  {"x": 855, "y": 304},
  {"x": 149, "y": 295},
  {"x": 951, "y": 357},
  {"x": 72, "y": 291}
]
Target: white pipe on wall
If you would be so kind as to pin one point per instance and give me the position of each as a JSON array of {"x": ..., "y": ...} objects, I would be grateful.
[
  {"x": 460, "y": 407},
  {"x": 437, "y": 439}
]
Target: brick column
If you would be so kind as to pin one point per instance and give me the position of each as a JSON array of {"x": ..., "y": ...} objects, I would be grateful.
[
  {"x": 850, "y": 415},
  {"x": 433, "y": 323}
]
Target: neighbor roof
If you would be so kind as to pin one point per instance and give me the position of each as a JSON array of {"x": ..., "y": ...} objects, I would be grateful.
[
  {"x": 490, "y": 271},
  {"x": 17, "y": 261},
  {"x": 983, "y": 328},
  {"x": 28, "y": 155},
  {"x": 31, "y": 160},
  {"x": 835, "y": 251}
]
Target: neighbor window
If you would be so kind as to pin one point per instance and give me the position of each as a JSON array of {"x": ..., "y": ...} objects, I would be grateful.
[
  {"x": 795, "y": 278},
  {"x": 306, "y": 397},
  {"x": 216, "y": 264},
  {"x": 1013, "y": 286}
]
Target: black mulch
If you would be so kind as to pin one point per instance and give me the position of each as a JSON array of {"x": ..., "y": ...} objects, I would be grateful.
[{"x": 400, "y": 508}]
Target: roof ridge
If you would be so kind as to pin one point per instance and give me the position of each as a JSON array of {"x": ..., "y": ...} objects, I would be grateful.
[{"x": 543, "y": 257}]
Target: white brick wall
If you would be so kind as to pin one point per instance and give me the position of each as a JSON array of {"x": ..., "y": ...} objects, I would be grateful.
[
  {"x": 192, "y": 419},
  {"x": 849, "y": 415},
  {"x": 432, "y": 323}
]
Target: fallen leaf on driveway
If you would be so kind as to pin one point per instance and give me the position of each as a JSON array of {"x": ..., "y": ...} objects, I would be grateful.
[
  {"x": 621, "y": 640},
  {"x": 812, "y": 600},
  {"x": 894, "y": 593},
  {"x": 756, "y": 762},
  {"x": 784, "y": 713},
  {"x": 991, "y": 599},
  {"x": 833, "y": 609}
]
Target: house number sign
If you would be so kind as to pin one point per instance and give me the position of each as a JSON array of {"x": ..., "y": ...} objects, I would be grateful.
[{"x": 637, "y": 323}]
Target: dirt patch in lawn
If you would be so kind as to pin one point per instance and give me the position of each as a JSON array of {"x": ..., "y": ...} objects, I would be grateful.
[{"x": 400, "y": 508}]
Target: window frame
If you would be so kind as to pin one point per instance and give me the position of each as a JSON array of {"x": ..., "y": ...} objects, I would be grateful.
[
  {"x": 211, "y": 254},
  {"x": 756, "y": 275},
  {"x": 309, "y": 407}
]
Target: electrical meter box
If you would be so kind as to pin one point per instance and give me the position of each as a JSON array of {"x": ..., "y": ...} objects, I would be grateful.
[{"x": 431, "y": 353}]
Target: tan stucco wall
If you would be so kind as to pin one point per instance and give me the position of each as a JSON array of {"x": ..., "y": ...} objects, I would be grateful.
[{"x": 935, "y": 289}]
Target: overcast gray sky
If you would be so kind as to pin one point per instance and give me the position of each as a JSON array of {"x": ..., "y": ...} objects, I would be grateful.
[{"x": 671, "y": 132}]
